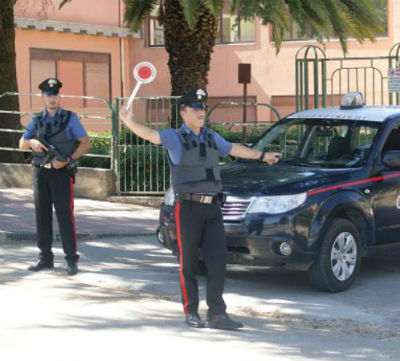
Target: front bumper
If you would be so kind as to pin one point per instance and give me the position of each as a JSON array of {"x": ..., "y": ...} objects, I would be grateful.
[
  {"x": 250, "y": 248},
  {"x": 255, "y": 241}
]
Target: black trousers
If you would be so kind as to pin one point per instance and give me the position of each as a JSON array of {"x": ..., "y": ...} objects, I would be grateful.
[
  {"x": 200, "y": 225},
  {"x": 54, "y": 187}
]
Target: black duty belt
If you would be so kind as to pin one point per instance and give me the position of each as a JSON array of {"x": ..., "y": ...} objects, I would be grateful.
[
  {"x": 46, "y": 166},
  {"x": 201, "y": 198}
]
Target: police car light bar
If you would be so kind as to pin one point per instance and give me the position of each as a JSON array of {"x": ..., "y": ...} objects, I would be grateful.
[{"x": 352, "y": 101}]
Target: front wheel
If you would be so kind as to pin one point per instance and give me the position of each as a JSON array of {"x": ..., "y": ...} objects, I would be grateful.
[{"x": 339, "y": 257}]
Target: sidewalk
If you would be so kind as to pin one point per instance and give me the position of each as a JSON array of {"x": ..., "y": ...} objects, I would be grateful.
[{"x": 94, "y": 219}]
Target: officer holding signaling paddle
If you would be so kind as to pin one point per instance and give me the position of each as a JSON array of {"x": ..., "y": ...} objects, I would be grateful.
[{"x": 193, "y": 152}]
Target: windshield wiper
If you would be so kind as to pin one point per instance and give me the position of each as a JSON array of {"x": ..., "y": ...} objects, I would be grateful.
[{"x": 292, "y": 161}]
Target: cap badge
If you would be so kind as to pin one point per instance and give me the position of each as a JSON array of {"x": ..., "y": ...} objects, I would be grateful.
[
  {"x": 200, "y": 93},
  {"x": 52, "y": 82}
]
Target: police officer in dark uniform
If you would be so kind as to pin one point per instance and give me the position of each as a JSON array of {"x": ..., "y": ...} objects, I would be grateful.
[
  {"x": 193, "y": 153},
  {"x": 57, "y": 139}
]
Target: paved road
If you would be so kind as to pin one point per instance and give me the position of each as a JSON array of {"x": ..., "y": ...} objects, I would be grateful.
[{"x": 125, "y": 305}]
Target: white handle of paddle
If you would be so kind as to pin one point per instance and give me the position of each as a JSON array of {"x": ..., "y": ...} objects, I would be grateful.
[{"x": 134, "y": 92}]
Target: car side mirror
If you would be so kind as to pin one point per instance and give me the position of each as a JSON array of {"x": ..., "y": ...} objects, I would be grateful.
[{"x": 391, "y": 159}]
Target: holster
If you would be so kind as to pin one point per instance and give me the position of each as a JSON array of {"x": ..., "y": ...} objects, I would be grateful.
[
  {"x": 72, "y": 170},
  {"x": 179, "y": 197}
]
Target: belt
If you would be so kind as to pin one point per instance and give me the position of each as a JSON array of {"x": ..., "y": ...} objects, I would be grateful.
[
  {"x": 200, "y": 198},
  {"x": 47, "y": 166}
]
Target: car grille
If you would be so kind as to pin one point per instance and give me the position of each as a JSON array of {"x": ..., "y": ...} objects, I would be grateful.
[{"x": 233, "y": 210}]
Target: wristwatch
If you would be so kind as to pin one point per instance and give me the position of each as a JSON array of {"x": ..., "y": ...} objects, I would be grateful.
[{"x": 261, "y": 157}]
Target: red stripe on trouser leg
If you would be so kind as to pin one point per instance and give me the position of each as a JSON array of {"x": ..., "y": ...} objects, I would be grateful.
[
  {"x": 179, "y": 239},
  {"x": 71, "y": 205}
]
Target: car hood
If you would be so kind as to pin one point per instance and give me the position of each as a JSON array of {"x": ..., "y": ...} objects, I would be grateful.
[{"x": 253, "y": 178}]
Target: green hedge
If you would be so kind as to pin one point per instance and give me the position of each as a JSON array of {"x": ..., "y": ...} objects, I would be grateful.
[
  {"x": 98, "y": 146},
  {"x": 252, "y": 134}
]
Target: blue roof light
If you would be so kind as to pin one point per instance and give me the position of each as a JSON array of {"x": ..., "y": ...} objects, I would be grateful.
[{"x": 352, "y": 101}]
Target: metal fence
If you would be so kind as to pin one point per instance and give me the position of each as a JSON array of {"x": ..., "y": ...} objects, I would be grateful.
[
  {"x": 141, "y": 167},
  {"x": 321, "y": 81}
]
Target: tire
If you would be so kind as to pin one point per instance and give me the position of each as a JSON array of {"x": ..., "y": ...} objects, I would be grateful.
[
  {"x": 160, "y": 237},
  {"x": 339, "y": 257}
]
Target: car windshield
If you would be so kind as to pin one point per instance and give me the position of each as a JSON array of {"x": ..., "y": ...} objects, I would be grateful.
[{"x": 327, "y": 143}]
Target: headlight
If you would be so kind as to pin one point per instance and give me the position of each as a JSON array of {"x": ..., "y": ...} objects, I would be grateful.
[
  {"x": 277, "y": 204},
  {"x": 169, "y": 197}
]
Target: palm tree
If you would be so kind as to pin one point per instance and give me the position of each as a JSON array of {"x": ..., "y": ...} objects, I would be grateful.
[
  {"x": 8, "y": 81},
  {"x": 190, "y": 30},
  {"x": 190, "y": 27}
]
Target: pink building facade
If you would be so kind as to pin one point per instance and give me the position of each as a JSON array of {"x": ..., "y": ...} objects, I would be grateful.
[{"x": 88, "y": 48}]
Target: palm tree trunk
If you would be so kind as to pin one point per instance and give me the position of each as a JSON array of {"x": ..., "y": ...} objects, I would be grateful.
[
  {"x": 189, "y": 50},
  {"x": 8, "y": 82}
]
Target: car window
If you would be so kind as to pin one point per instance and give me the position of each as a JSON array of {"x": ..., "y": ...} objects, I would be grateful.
[
  {"x": 321, "y": 142},
  {"x": 393, "y": 141}
]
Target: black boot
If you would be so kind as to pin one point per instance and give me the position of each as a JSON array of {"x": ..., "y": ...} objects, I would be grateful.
[
  {"x": 72, "y": 267},
  {"x": 193, "y": 320},
  {"x": 42, "y": 264},
  {"x": 222, "y": 321}
]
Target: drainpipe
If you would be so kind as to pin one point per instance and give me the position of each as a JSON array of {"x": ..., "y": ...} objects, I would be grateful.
[{"x": 121, "y": 53}]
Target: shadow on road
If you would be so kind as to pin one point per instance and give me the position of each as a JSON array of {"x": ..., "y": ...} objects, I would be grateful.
[{"x": 133, "y": 284}]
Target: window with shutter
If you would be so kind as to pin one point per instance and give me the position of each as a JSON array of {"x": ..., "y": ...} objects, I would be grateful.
[
  {"x": 40, "y": 70},
  {"x": 82, "y": 74}
]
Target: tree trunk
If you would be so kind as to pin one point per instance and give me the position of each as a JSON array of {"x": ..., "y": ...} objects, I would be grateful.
[
  {"x": 189, "y": 50},
  {"x": 8, "y": 82}
]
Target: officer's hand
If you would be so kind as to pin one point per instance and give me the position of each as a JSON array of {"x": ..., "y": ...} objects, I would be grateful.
[
  {"x": 37, "y": 146},
  {"x": 57, "y": 164},
  {"x": 272, "y": 157},
  {"x": 126, "y": 115}
]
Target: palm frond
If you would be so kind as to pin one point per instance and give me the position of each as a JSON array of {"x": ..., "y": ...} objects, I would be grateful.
[
  {"x": 234, "y": 5},
  {"x": 275, "y": 13},
  {"x": 62, "y": 3},
  {"x": 363, "y": 24},
  {"x": 136, "y": 12},
  {"x": 191, "y": 11},
  {"x": 340, "y": 21},
  {"x": 214, "y": 6},
  {"x": 325, "y": 18},
  {"x": 311, "y": 13},
  {"x": 161, "y": 13}
]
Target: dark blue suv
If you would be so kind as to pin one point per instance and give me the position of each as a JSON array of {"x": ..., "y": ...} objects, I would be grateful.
[{"x": 333, "y": 197}]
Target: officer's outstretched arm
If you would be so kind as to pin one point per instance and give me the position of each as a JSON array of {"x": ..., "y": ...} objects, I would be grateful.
[
  {"x": 241, "y": 151},
  {"x": 139, "y": 129}
]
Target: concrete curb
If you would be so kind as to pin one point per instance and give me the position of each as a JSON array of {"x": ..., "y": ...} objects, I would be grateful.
[
  {"x": 31, "y": 237},
  {"x": 149, "y": 201}
]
